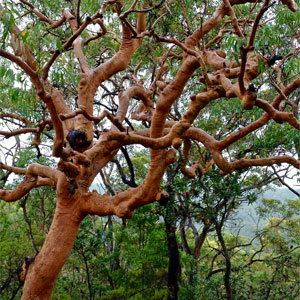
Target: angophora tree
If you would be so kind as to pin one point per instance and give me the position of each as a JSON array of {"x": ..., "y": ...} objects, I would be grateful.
[{"x": 37, "y": 40}]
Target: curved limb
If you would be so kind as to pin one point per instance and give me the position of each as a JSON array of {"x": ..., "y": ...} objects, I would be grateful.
[
  {"x": 229, "y": 167},
  {"x": 278, "y": 116},
  {"x": 90, "y": 81},
  {"x": 20, "y": 171},
  {"x": 124, "y": 203},
  {"x": 66, "y": 45},
  {"x": 42, "y": 17},
  {"x": 21, "y": 190},
  {"x": 96, "y": 120},
  {"x": 36, "y": 175},
  {"x": 24, "y": 66},
  {"x": 58, "y": 143},
  {"x": 9, "y": 134},
  {"x": 145, "y": 108}
]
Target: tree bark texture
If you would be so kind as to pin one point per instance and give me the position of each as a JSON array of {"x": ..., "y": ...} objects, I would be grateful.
[
  {"x": 43, "y": 272},
  {"x": 174, "y": 269}
]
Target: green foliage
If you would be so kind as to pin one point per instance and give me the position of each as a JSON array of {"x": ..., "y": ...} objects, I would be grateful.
[{"x": 13, "y": 235}]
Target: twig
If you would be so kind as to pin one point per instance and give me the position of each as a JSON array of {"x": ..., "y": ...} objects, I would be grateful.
[
  {"x": 284, "y": 183},
  {"x": 29, "y": 228}
]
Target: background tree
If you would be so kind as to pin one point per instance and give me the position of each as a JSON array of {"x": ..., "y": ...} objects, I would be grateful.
[{"x": 139, "y": 62}]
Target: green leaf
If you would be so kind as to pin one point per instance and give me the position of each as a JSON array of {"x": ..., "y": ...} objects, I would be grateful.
[{"x": 10, "y": 74}]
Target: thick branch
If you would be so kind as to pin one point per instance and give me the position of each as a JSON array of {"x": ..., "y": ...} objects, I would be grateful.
[
  {"x": 233, "y": 18},
  {"x": 144, "y": 109},
  {"x": 90, "y": 82},
  {"x": 124, "y": 203},
  {"x": 264, "y": 119},
  {"x": 249, "y": 47},
  {"x": 96, "y": 120},
  {"x": 21, "y": 190},
  {"x": 278, "y": 116},
  {"x": 20, "y": 171},
  {"x": 78, "y": 42},
  {"x": 9, "y": 134},
  {"x": 16, "y": 117},
  {"x": 42, "y": 17},
  {"x": 199, "y": 241},
  {"x": 65, "y": 46},
  {"x": 244, "y": 163},
  {"x": 26, "y": 68}
]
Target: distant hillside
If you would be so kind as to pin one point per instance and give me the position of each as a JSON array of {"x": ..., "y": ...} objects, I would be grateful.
[
  {"x": 280, "y": 194},
  {"x": 247, "y": 218}
]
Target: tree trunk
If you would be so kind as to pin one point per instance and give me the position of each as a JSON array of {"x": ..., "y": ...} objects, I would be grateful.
[
  {"x": 227, "y": 283},
  {"x": 43, "y": 272},
  {"x": 174, "y": 270}
]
